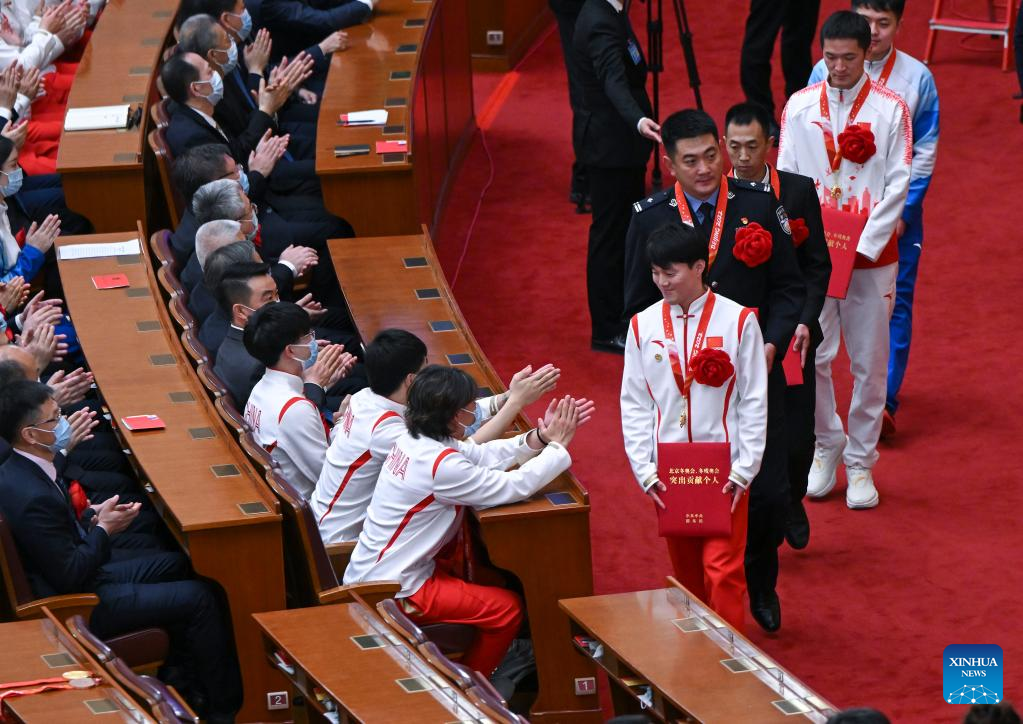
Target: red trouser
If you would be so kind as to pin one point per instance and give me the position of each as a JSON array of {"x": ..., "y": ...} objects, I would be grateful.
[
  {"x": 495, "y": 612},
  {"x": 712, "y": 569}
]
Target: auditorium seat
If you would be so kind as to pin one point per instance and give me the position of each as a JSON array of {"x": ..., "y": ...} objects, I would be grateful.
[
  {"x": 145, "y": 649},
  {"x": 195, "y": 349},
  {"x": 160, "y": 244},
  {"x": 179, "y": 313},
  {"x": 157, "y": 140},
  {"x": 451, "y": 638},
  {"x": 151, "y": 692}
]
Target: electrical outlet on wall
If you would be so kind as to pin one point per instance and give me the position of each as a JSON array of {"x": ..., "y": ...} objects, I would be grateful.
[{"x": 495, "y": 37}]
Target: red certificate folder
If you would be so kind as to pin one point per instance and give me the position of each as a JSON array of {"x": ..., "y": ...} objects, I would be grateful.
[
  {"x": 842, "y": 231},
  {"x": 790, "y": 365},
  {"x": 694, "y": 474}
]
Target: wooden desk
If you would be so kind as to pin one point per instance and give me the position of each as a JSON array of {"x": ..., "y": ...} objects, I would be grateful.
[
  {"x": 686, "y": 672},
  {"x": 380, "y": 278},
  {"x": 413, "y": 56},
  {"x": 105, "y": 173},
  {"x": 520, "y": 21},
  {"x": 197, "y": 476},
  {"x": 363, "y": 683},
  {"x": 25, "y": 644}
]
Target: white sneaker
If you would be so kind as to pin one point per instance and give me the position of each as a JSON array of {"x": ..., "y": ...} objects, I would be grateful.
[
  {"x": 861, "y": 492},
  {"x": 821, "y": 480}
]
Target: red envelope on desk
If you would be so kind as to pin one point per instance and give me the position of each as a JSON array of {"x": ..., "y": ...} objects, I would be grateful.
[
  {"x": 135, "y": 423},
  {"x": 694, "y": 474},
  {"x": 110, "y": 281},
  {"x": 392, "y": 147},
  {"x": 842, "y": 231},
  {"x": 790, "y": 365}
]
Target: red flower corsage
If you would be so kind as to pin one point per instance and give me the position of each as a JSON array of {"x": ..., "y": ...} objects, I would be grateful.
[
  {"x": 856, "y": 143},
  {"x": 711, "y": 367},
  {"x": 800, "y": 232},
  {"x": 753, "y": 244}
]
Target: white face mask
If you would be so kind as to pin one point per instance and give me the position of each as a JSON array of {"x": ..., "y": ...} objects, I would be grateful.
[
  {"x": 217, "y": 83},
  {"x": 232, "y": 59}
]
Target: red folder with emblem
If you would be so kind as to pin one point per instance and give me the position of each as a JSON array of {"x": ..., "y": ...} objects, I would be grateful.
[
  {"x": 842, "y": 231},
  {"x": 694, "y": 474}
]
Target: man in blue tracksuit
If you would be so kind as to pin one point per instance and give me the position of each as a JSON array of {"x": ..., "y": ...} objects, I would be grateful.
[{"x": 911, "y": 79}]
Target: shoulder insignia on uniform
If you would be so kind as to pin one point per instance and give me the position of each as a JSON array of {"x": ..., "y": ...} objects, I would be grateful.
[
  {"x": 783, "y": 220},
  {"x": 654, "y": 200}
]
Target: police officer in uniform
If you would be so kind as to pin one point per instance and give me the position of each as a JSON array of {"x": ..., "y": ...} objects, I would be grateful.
[
  {"x": 747, "y": 142},
  {"x": 755, "y": 265},
  {"x": 616, "y": 143}
]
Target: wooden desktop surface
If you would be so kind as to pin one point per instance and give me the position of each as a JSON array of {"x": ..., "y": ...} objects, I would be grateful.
[
  {"x": 412, "y": 58},
  {"x": 25, "y": 643},
  {"x": 102, "y": 171},
  {"x": 380, "y": 278},
  {"x": 640, "y": 639},
  {"x": 362, "y": 681},
  {"x": 198, "y": 476}
]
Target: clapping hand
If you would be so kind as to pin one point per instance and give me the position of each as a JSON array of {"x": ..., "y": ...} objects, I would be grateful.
[
  {"x": 332, "y": 363},
  {"x": 41, "y": 236},
  {"x": 9, "y": 86},
  {"x": 17, "y": 133},
  {"x": 338, "y": 40},
  {"x": 267, "y": 153},
  {"x": 312, "y": 307},
  {"x": 301, "y": 257},
  {"x": 69, "y": 388},
  {"x": 585, "y": 407},
  {"x": 30, "y": 83},
  {"x": 114, "y": 517},
  {"x": 527, "y": 386},
  {"x": 562, "y": 423},
  {"x": 257, "y": 53},
  {"x": 82, "y": 422},
  {"x": 13, "y": 294}
]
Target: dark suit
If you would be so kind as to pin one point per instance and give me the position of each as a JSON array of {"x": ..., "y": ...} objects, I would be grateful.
[
  {"x": 776, "y": 289},
  {"x": 566, "y": 12},
  {"x": 799, "y": 197},
  {"x": 297, "y": 24},
  {"x": 612, "y": 79},
  {"x": 235, "y": 109},
  {"x": 137, "y": 587},
  {"x": 797, "y": 21},
  {"x": 240, "y": 371}
]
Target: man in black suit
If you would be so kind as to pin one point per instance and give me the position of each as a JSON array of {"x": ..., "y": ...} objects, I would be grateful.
[
  {"x": 797, "y": 21},
  {"x": 617, "y": 138},
  {"x": 195, "y": 90},
  {"x": 298, "y": 24},
  {"x": 754, "y": 265},
  {"x": 566, "y": 12},
  {"x": 747, "y": 143},
  {"x": 204, "y": 36},
  {"x": 62, "y": 552}
]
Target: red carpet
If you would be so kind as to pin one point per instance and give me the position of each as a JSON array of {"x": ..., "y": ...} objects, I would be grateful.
[{"x": 871, "y": 604}]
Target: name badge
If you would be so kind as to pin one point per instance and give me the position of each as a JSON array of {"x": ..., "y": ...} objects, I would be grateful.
[{"x": 634, "y": 52}]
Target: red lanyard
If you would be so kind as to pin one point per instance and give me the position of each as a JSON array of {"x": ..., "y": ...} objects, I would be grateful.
[
  {"x": 686, "y": 381},
  {"x": 834, "y": 157},
  {"x": 719, "y": 216},
  {"x": 886, "y": 72},
  {"x": 775, "y": 181}
]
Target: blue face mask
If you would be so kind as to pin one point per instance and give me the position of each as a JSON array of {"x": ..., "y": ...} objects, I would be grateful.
[
  {"x": 255, "y": 225},
  {"x": 477, "y": 421},
  {"x": 246, "y": 29},
  {"x": 243, "y": 179},
  {"x": 217, "y": 94},
  {"x": 62, "y": 435},
  {"x": 232, "y": 59},
  {"x": 14, "y": 180},
  {"x": 314, "y": 350}
]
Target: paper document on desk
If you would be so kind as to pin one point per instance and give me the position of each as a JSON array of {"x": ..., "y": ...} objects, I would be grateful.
[
  {"x": 376, "y": 117},
  {"x": 90, "y": 251},
  {"x": 96, "y": 118}
]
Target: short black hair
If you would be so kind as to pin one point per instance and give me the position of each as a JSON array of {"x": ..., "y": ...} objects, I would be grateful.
[
  {"x": 197, "y": 166},
  {"x": 896, "y": 7},
  {"x": 861, "y": 715},
  {"x": 10, "y": 371},
  {"x": 233, "y": 287},
  {"x": 743, "y": 114},
  {"x": 272, "y": 328},
  {"x": 6, "y": 147},
  {"x": 19, "y": 403},
  {"x": 677, "y": 244},
  {"x": 203, "y": 7},
  {"x": 689, "y": 123},
  {"x": 846, "y": 25},
  {"x": 435, "y": 397},
  {"x": 390, "y": 357},
  {"x": 177, "y": 74},
  {"x": 1001, "y": 713}
]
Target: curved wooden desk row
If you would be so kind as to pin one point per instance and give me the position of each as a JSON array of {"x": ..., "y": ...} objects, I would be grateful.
[
  {"x": 696, "y": 667},
  {"x": 413, "y": 59},
  {"x": 43, "y": 649},
  {"x": 216, "y": 505},
  {"x": 545, "y": 541},
  {"x": 106, "y": 173}
]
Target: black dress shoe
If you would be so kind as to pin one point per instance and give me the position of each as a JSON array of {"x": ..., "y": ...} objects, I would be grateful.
[
  {"x": 797, "y": 532},
  {"x": 581, "y": 200},
  {"x": 766, "y": 610},
  {"x": 615, "y": 345}
]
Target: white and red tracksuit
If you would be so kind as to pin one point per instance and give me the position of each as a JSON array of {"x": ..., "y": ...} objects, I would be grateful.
[
  {"x": 736, "y": 412},
  {"x": 878, "y": 189},
  {"x": 289, "y": 426},
  {"x": 417, "y": 508},
  {"x": 362, "y": 439}
]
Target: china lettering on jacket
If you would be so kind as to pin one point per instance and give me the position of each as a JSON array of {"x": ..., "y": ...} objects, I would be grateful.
[
  {"x": 396, "y": 462},
  {"x": 347, "y": 421},
  {"x": 252, "y": 416}
]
